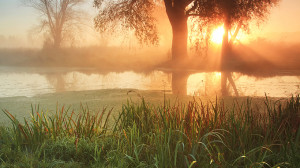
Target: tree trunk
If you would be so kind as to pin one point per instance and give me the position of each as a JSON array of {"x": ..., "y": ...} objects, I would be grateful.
[
  {"x": 179, "y": 83},
  {"x": 224, "y": 90},
  {"x": 57, "y": 41},
  {"x": 178, "y": 20},
  {"x": 225, "y": 45},
  {"x": 179, "y": 41}
]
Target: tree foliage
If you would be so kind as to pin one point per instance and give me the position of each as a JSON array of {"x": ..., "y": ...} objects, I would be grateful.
[
  {"x": 230, "y": 13},
  {"x": 133, "y": 15},
  {"x": 59, "y": 18},
  {"x": 234, "y": 11},
  {"x": 137, "y": 15}
]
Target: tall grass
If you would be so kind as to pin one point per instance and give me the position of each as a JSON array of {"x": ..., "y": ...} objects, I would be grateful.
[
  {"x": 63, "y": 123},
  {"x": 210, "y": 135},
  {"x": 193, "y": 134}
]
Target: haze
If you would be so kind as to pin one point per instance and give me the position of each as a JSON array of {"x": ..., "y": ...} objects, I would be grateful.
[
  {"x": 16, "y": 22},
  {"x": 266, "y": 50}
]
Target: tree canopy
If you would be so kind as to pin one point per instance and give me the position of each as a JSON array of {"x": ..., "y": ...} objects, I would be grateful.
[
  {"x": 137, "y": 16},
  {"x": 129, "y": 14},
  {"x": 234, "y": 10}
]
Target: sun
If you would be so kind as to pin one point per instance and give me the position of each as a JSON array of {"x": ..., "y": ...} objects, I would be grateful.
[
  {"x": 218, "y": 74},
  {"x": 217, "y": 35}
]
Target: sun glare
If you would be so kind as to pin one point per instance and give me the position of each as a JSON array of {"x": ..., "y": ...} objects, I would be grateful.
[
  {"x": 218, "y": 74},
  {"x": 217, "y": 35}
]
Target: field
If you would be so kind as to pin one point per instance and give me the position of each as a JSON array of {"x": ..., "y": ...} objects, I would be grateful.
[{"x": 149, "y": 129}]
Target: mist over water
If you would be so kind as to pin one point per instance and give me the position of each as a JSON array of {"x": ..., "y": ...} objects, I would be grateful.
[
  {"x": 258, "y": 67},
  {"x": 261, "y": 68},
  {"x": 35, "y": 81}
]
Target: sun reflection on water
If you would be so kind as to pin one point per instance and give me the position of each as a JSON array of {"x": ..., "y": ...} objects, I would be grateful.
[{"x": 199, "y": 84}]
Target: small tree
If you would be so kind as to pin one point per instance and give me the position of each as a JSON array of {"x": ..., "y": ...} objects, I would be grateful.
[
  {"x": 238, "y": 14},
  {"x": 59, "y": 18},
  {"x": 235, "y": 15}
]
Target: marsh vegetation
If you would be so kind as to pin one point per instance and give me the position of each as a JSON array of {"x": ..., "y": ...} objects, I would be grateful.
[{"x": 171, "y": 134}]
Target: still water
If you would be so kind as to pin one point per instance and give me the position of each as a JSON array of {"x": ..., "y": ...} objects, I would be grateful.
[{"x": 16, "y": 81}]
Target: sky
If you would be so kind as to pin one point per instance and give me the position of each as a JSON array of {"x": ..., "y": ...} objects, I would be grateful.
[
  {"x": 283, "y": 20},
  {"x": 16, "y": 21},
  {"x": 285, "y": 17}
]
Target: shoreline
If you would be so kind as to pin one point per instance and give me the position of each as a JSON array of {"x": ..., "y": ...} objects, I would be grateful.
[
  {"x": 94, "y": 99},
  {"x": 20, "y": 106}
]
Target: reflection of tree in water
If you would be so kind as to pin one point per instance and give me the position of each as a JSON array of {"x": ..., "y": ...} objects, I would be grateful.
[
  {"x": 225, "y": 86},
  {"x": 298, "y": 86},
  {"x": 208, "y": 83},
  {"x": 77, "y": 80},
  {"x": 57, "y": 81},
  {"x": 211, "y": 84}
]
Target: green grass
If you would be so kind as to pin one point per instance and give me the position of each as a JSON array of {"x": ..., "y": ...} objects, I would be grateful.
[{"x": 193, "y": 134}]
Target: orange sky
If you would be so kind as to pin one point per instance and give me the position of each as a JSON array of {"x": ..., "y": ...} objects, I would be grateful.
[
  {"x": 16, "y": 22},
  {"x": 283, "y": 22}
]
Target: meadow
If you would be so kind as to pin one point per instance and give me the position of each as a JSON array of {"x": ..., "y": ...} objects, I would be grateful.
[{"x": 193, "y": 133}]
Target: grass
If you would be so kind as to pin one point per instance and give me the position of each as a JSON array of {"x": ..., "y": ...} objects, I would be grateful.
[{"x": 193, "y": 134}]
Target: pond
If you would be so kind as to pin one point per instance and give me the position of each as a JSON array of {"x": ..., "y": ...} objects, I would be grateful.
[{"x": 24, "y": 81}]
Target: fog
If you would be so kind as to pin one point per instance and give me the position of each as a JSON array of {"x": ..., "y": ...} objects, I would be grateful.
[
  {"x": 261, "y": 53},
  {"x": 265, "y": 58},
  {"x": 104, "y": 59},
  {"x": 265, "y": 52}
]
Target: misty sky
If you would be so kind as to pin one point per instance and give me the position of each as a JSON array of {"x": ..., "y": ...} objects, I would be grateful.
[{"x": 16, "y": 20}]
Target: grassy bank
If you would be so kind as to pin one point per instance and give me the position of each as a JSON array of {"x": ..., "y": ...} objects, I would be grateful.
[
  {"x": 95, "y": 99},
  {"x": 173, "y": 134}
]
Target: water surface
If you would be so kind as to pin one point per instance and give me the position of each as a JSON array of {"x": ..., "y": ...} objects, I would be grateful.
[{"x": 22, "y": 81}]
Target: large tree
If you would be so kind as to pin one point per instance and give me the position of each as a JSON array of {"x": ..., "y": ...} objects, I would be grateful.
[
  {"x": 234, "y": 15},
  {"x": 137, "y": 15},
  {"x": 59, "y": 18}
]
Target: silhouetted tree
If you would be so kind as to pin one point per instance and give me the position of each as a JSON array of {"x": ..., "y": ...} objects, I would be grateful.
[
  {"x": 137, "y": 15},
  {"x": 236, "y": 14},
  {"x": 59, "y": 18}
]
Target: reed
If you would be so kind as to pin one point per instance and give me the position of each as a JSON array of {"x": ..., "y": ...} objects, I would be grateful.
[
  {"x": 63, "y": 123},
  {"x": 193, "y": 134}
]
